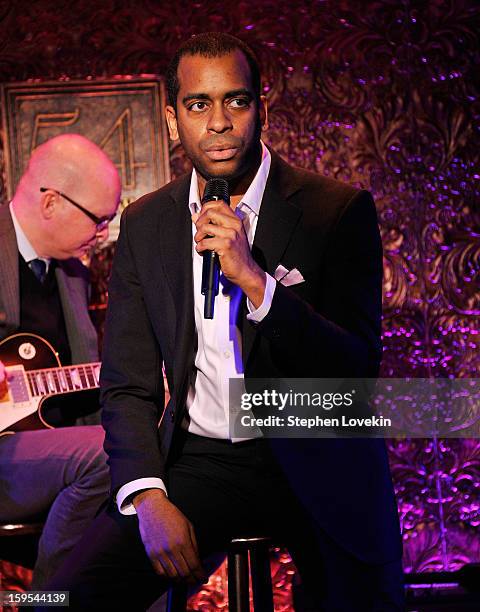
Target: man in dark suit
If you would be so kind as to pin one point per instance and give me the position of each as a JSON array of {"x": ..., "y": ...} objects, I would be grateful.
[
  {"x": 191, "y": 486},
  {"x": 44, "y": 290}
]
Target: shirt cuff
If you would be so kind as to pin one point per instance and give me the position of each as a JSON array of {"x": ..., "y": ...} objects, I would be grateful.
[
  {"x": 135, "y": 486},
  {"x": 261, "y": 312}
]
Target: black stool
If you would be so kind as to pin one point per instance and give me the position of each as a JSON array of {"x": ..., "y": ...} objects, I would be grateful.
[
  {"x": 238, "y": 587},
  {"x": 19, "y": 541},
  {"x": 20, "y": 529}
]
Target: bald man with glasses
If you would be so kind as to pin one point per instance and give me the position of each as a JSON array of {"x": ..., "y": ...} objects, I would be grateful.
[
  {"x": 61, "y": 209},
  {"x": 100, "y": 222}
]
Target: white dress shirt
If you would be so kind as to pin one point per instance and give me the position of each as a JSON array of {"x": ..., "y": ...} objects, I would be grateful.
[
  {"x": 25, "y": 248},
  {"x": 219, "y": 353}
]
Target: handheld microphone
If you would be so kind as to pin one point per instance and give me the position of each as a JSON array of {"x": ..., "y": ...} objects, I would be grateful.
[{"x": 215, "y": 189}]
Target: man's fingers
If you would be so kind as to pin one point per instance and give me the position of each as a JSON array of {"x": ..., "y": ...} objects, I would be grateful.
[
  {"x": 193, "y": 558},
  {"x": 169, "y": 567},
  {"x": 197, "y": 573},
  {"x": 158, "y": 567},
  {"x": 192, "y": 575},
  {"x": 181, "y": 565},
  {"x": 211, "y": 244},
  {"x": 216, "y": 205},
  {"x": 225, "y": 218},
  {"x": 172, "y": 565},
  {"x": 209, "y": 229},
  {"x": 193, "y": 539}
]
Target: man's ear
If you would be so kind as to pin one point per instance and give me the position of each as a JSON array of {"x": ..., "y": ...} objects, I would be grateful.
[
  {"x": 48, "y": 202},
  {"x": 171, "y": 117},
  {"x": 263, "y": 109}
]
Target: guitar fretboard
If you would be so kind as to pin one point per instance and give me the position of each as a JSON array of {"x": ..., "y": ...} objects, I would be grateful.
[{"x": 62, "y": 380}]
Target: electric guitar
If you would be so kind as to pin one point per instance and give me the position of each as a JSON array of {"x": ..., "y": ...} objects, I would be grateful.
[{"x": 38, "y": 391}]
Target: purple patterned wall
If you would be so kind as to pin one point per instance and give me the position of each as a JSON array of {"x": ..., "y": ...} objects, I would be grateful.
[{"x": 381, "y": 94}]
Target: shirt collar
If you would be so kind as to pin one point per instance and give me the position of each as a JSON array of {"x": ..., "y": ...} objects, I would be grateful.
[
  {"x": 25, "y": 248},
  {"x": 254, "y": 194}
]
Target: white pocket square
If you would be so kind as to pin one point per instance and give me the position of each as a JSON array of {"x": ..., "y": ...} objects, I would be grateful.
[{"x": 288, "y": 277}]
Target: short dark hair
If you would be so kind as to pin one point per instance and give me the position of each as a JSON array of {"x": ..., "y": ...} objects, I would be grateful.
[{"x": 210, "y": 44}]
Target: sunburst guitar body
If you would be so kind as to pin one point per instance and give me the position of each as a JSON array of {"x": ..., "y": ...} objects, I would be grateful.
[{"x": 38, "y": 391}]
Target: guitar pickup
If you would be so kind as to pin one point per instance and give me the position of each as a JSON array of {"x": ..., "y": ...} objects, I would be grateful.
[{"x": 17, "y": 385}]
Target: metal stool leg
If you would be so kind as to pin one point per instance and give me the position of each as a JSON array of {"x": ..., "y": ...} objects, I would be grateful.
[
  {"x": 261, "y": 579},
  {"x": 238, "y": 599},
  {"x": 177, "y": 599}
]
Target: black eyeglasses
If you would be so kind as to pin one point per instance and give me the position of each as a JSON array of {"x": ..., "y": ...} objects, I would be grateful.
[{"x": 100, "y": 222}]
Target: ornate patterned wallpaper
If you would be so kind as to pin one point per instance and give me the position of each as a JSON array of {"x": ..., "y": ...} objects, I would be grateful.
[{"x": 382, "y": 94}]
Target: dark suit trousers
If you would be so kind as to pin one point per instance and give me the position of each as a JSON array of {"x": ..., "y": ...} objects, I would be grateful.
[{"x": 225, "y": 490}]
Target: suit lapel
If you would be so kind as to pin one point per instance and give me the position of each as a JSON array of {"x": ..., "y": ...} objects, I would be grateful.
[
  {"x": 82, "y": 337},
  {"x": 276, "y": 223},
  {"x": 278, "y": 217},
  {"x": 175, "y": 231},
  {"x": 9, "y": 274}
]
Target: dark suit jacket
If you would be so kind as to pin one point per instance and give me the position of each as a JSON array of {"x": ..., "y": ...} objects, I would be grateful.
[
  {"x": 327, "y": 326},
  {"x": 72, "y": 279}
]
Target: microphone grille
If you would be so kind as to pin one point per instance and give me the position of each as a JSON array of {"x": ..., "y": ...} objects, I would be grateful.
[{"x": 216, "y": 189}]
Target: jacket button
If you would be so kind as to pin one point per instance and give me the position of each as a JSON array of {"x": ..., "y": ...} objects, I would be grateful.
[
  {"x": 276, "y": 333},
  {"x": 172, "y": 415}
]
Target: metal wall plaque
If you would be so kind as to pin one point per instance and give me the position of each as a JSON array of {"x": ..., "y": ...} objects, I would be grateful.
[{"x": 123, "y": 116}]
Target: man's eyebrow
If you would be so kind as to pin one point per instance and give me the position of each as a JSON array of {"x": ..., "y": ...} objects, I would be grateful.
[
  {"x": 239, "y": 92},
  {"x": 229, "y": 94},
  {"x": 195, "y": 96}
]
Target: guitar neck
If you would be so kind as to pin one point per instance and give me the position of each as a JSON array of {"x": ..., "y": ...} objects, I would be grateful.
[{"x": 54, "y": 381}]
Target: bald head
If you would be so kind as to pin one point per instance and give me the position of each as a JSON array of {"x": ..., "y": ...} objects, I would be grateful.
[
  {"x": 77, "y": 167},
  {"x": 69, "y": 163}
]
